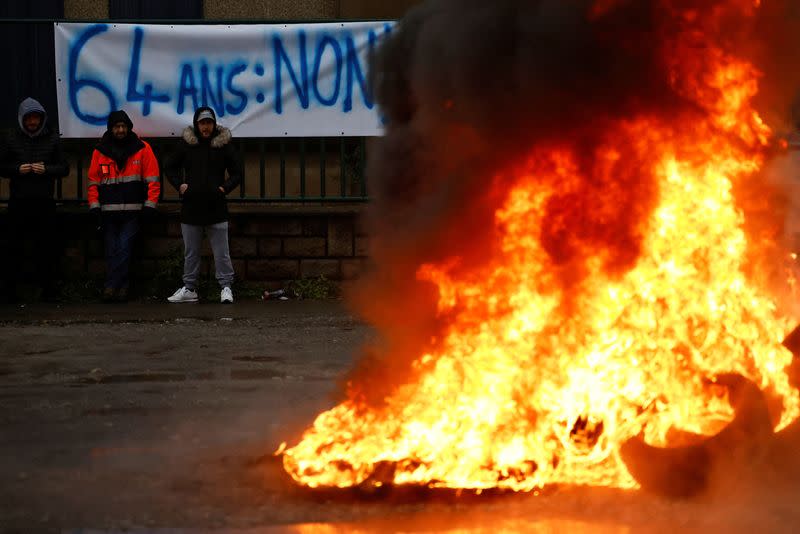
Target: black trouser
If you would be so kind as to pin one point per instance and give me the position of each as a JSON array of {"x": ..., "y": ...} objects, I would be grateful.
[
  {"x": 32, "y": 235},
  {"x": 119, "y": 229}
]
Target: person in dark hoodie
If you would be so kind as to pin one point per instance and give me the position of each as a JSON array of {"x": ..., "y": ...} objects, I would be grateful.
[
  {"x": 123, "y": 188},
  {"x": 32, "y": 160},
  {"x": 197, "y": 170}
]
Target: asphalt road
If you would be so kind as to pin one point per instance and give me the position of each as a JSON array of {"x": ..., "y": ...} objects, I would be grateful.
[{"x": 152, "y": 416}]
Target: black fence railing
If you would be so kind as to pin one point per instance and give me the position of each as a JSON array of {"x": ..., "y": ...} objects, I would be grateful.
[{"x": 302, "y": 169}]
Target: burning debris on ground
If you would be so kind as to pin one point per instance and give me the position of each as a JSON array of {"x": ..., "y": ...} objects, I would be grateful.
[{"x": 578, "y": 267}]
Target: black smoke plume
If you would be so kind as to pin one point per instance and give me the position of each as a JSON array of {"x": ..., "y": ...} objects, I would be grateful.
[{"x": 469, "y": 87}]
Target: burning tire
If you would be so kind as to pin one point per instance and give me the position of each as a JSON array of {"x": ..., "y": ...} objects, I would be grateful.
[{"x": 686, "y": 471}]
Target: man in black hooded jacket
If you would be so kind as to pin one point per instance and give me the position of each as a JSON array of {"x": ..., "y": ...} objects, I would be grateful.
[
  {"x": 32, "y": 160},
  {"x": 197, "y": 171}
]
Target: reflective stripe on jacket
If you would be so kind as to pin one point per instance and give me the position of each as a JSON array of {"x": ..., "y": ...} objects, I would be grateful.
[{"x": 127, "y": 189}]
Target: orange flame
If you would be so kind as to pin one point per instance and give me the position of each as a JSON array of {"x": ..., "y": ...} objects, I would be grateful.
[{"x": 534, "y": 384}]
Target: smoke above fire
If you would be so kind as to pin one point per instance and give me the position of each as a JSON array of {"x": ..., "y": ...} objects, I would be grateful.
[
  {"x": 469, "y": 87},
  {"x": 580, "y": 267}
]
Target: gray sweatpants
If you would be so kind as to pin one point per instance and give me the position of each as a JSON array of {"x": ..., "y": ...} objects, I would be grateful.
[{"x": 192, "y": 244}]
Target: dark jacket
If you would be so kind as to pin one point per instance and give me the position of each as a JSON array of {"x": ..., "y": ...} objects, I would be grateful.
[
  {"x": 201, "y": 164},
  {"x": 21, "y": 147}
]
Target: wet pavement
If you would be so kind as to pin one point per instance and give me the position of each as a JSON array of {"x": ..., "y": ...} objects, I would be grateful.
[
  {"x": 115, "y": 415},
  {"x": 150, "y": 416}
]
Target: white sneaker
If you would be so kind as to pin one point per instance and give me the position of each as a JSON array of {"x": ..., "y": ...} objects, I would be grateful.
[
  {"x": 183, "y": 295},
  {"x": 226, "y": 296}
]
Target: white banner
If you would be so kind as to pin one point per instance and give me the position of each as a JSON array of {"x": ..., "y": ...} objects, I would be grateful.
[{"x": 263, "y": 80}]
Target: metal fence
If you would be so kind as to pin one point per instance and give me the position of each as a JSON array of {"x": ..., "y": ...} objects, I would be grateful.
[{"x": 275, "y": 170}]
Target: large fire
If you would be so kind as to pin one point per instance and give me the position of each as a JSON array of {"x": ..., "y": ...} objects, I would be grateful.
[{"x": 533, "y": 384}]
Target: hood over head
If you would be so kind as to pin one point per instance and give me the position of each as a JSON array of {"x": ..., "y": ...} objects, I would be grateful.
[
  {"x": 204, "y": 112},
  {"x": 31, "y": 105},
  {"x": 119, "y": 149},
  {"x": 119, "y": 116}
]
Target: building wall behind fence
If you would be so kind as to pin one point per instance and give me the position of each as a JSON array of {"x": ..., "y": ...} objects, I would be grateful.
[
  {"x": 85, "y": 9},
  {"x": 267, "y": 9}
]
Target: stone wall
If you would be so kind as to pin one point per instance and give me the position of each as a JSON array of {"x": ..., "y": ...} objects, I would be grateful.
[
  {"x": 269, "y": 244},
  {"x": 374, "y": 9},
  {"x": 86, "y": 9},
  {"x": 268, "y": 9}
]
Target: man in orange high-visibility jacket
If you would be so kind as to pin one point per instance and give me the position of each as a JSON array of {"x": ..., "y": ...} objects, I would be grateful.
[{"x": 123, "y": 188}]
